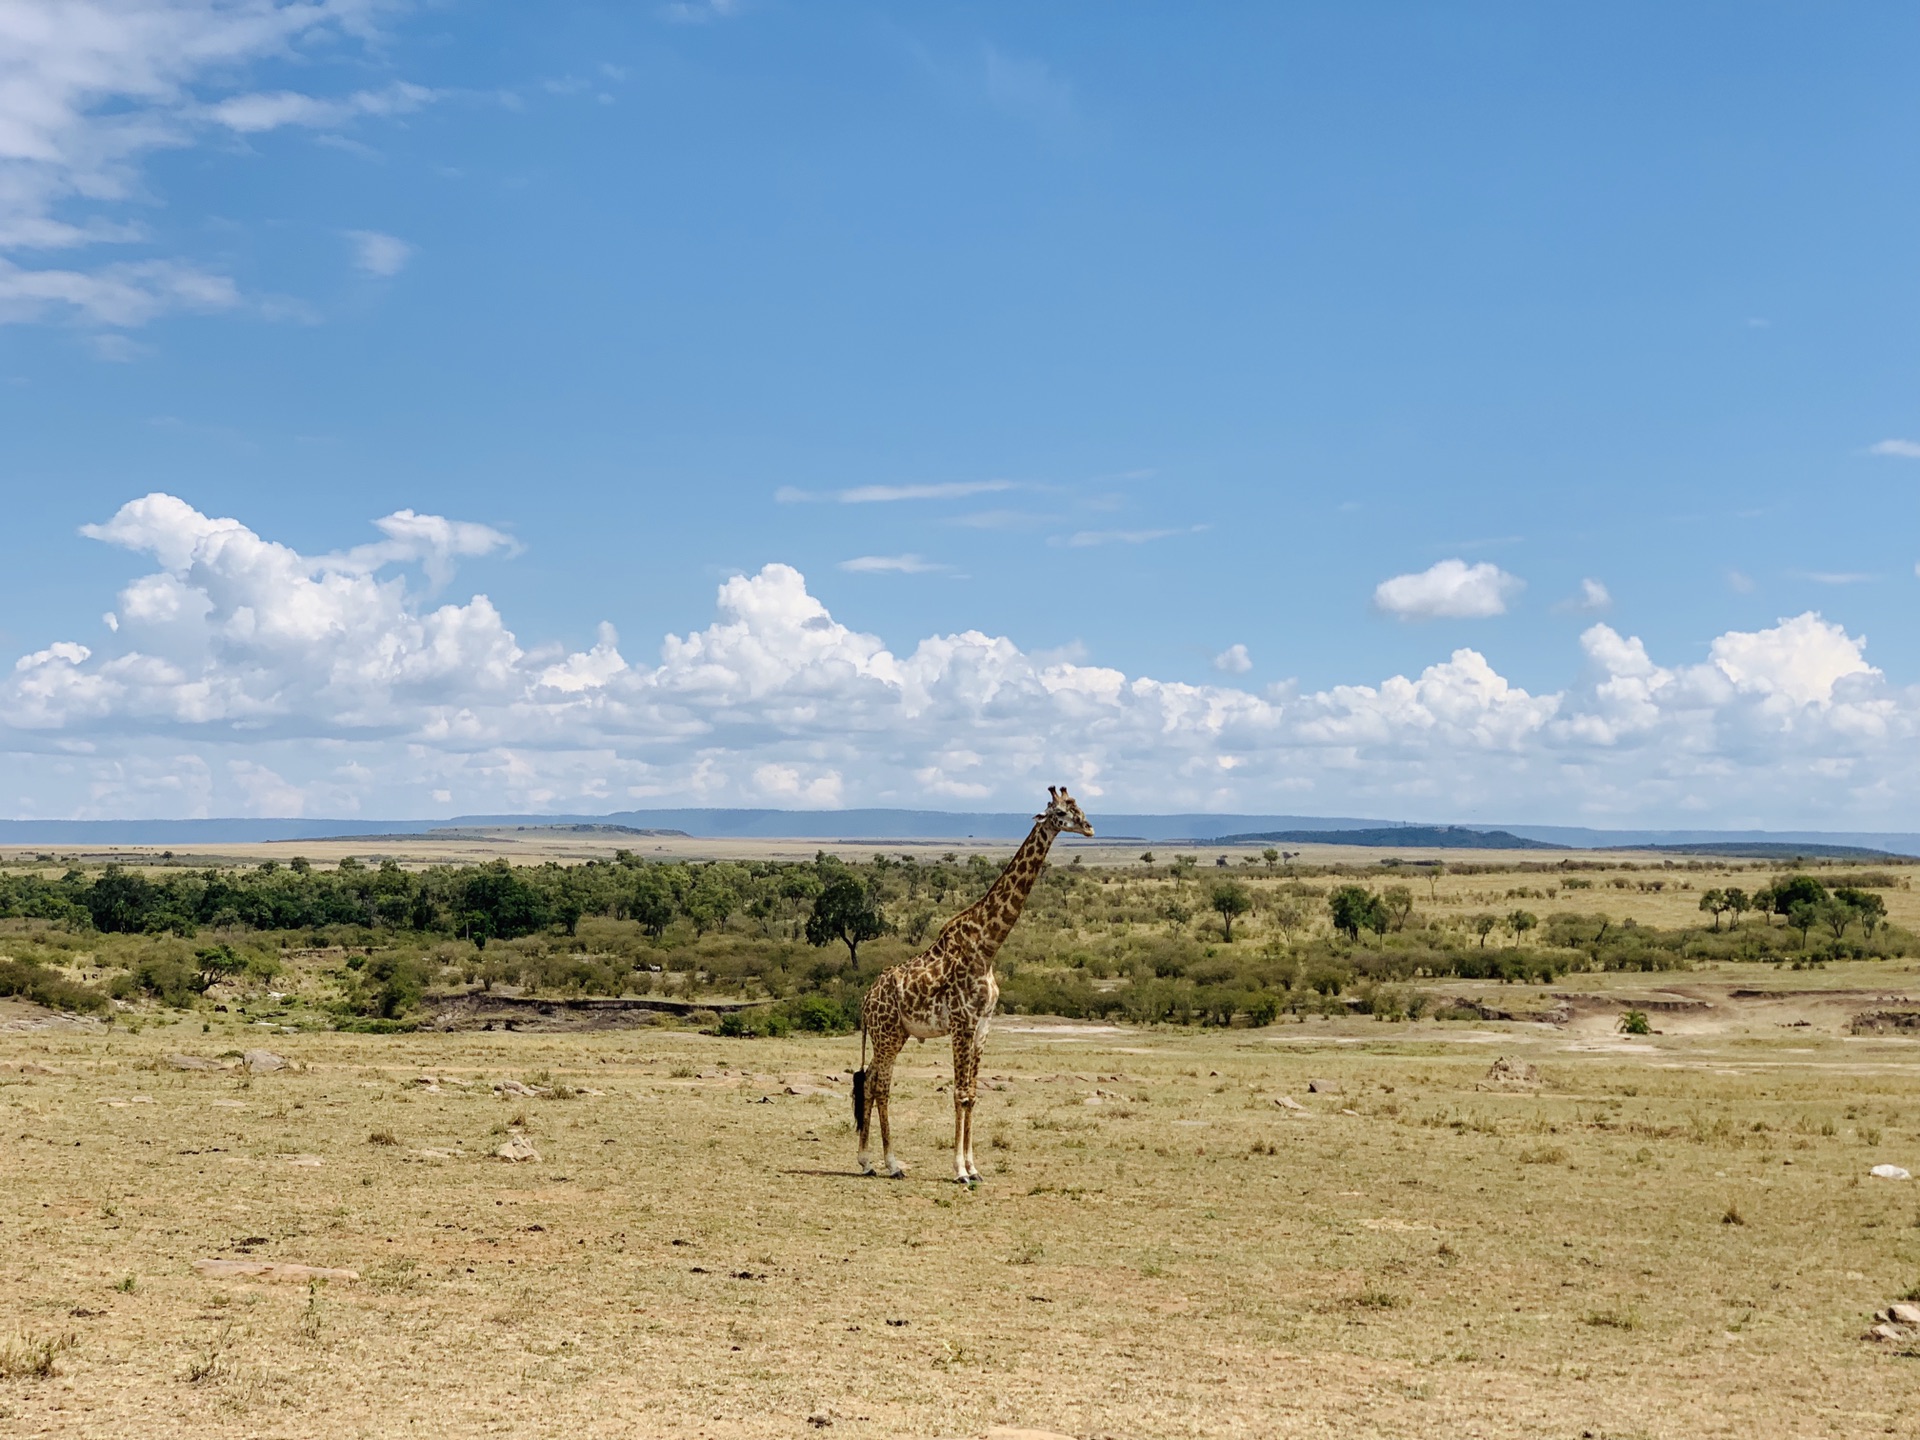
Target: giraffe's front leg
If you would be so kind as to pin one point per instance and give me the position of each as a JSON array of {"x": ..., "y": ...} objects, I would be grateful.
[
  {"x": 966, "y": 1090},
  {"x": 962, "y": 1101},
  {"x": 966, "y": 1062}
]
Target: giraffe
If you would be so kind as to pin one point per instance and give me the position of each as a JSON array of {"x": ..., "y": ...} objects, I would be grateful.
[{"x": 949, "y": 989}]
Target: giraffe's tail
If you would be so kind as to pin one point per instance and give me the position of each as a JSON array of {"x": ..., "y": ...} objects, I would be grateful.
[{"x": 860, "y": 1081}]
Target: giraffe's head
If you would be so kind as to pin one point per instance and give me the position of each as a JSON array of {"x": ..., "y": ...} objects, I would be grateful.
[{"x": 1063, "y": 813}]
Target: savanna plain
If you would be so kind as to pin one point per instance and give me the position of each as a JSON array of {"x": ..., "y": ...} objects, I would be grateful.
[{"x": 1314, "y": 1216}]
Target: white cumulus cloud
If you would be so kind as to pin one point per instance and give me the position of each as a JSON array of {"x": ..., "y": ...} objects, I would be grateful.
[
  {"x": 248, "y": 677},
  {"x": 1233, "y": 660},
  {"x": 1451, "y": 589}
]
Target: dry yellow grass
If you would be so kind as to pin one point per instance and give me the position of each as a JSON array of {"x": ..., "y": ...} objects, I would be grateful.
[{"x": 1184, "y": 1257}]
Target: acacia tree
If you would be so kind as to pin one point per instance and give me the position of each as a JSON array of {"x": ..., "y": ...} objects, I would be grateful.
[
  {"x": 1288, "y": 915},
  {"x": 1737, "y": 901},
  {"x": 1866, "y": 907},
  {"x": 1397, "y": 901},
  {"x": 845, "y": 910},
  {"x": 1353, "y": 907},
  {"x": 1713, "y": 902},
  {"x": 1229, "y": 898}
]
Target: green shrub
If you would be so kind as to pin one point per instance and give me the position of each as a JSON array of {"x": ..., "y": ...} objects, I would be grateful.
[{"x": 48, "y": 987}]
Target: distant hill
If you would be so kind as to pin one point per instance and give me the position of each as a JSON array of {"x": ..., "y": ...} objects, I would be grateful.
[
  {"x": 1423, "y": 837},
  {"x": 1770, "y": 850}
]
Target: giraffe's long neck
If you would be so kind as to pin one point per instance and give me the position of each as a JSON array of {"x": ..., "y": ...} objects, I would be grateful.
[{"x": 1000, "y": 907}]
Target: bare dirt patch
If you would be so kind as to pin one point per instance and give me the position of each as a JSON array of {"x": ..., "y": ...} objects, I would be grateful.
[{"x": 1401, "y": 1252}]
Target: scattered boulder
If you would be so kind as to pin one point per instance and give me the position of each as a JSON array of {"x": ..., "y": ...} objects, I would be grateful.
[
  {"x": 1889, "y": 1172},
  {"x": 1323, "y": 1087},
  {"x": 1886, "y": 1332},
  {"x": 310, "y": 1162},
  {"x": 517, "y": 1148},
  {"x": 1505, "y": 1074},
  {"x": 33, "y": 1068},
  {"x": 514, "y": 1087},
  {"x": 192, "y": 1062},
  {"x": 1287, "y": 1102},
  {"x": 1904, "y": 1314},
  {"x": 263, "y": 1062}
]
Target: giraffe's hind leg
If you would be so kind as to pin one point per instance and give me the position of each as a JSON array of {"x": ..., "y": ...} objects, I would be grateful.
[{"x": 886, "y": 1045}]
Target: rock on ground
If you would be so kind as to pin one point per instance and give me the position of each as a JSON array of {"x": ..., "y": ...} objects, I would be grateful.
[
  {"x": 1505, "y": 1074},
  {"x": 263, "y": 1062},
  {"x": 1323, "y": 1087},
  {"x": 1889, "y": 1172},
  {"x": 518, "y": 1147},
  {"x": 192, "y": 1062}
]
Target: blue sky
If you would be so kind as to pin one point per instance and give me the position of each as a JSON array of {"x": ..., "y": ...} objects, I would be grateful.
[{"x": 1123, "y": 335}]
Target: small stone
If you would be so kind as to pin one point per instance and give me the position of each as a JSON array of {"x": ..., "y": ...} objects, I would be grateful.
[
  {"x": 31, "y": 1068},
  {"x": 517, "y": 1148},
  {"x": 1354, "y": 1113},
  {"x": 1904, "y": 1314},
  {"x": 192, "y": 1062},
  {"x": 1323, "y": 1087},
  {"x": 1889, "y": 1172},
  {"x": 311, "y": 1162},
  {"x": 1886, "y": 1332},
  {"x": 1287, "y": 1102},
  {"x": 263, "y": 1062},
  {"x": 514, "y": 1087},
  {"x": 820, "y": 1419}
]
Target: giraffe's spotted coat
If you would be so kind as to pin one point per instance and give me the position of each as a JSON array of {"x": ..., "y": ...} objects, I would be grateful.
[{"x": 950, "y": 989}]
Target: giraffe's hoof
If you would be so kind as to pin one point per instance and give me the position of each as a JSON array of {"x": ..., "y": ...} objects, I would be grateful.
[{"x": 897, "y": 1172}]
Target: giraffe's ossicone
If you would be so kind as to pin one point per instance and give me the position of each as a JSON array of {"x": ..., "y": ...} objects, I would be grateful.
[{"x": 950, "y": 989}]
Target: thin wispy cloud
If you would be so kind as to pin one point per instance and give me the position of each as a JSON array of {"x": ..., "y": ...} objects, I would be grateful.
[
  {"x": 89, "y": 91},
  {"x": 253, "y": 114},
  {"x": 893, "y": 565},
  {"x": 1898, "y": 449},
  {"x": 1083, "y": 539},
  {"x": 1592, "y": 599},
  {"x": 886, "y": 494},
  {"x": 1740, "y": 582},
  {"x": 1028, "y": 90},
  {"x": 1000, "y": 519},
  {"x": 1834, "y": 577},
  {"x": 698, "y": 12},
  {"x": 375, "y": 253}
]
